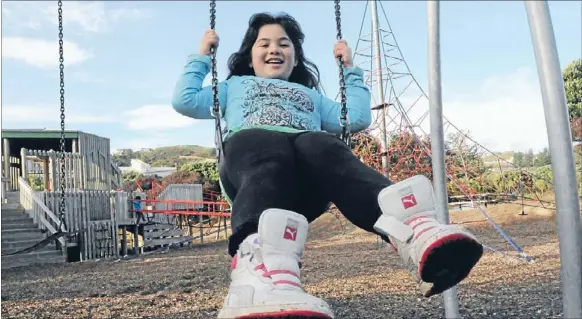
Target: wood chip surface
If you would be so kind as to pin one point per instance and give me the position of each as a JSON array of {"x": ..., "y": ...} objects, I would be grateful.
[{"x": 346, "y": 268}]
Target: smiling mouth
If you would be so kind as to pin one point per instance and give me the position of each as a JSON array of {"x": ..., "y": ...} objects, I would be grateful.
[{"x": 274, "y": 61}]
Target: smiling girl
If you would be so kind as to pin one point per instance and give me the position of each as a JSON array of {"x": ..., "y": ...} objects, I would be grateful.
[{"x": 283, "y": 165}]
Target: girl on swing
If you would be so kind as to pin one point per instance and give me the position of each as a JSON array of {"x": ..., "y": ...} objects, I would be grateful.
[{"x": 283, "y": 165}]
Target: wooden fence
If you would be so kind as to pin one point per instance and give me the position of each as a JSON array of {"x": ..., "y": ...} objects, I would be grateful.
[
  {"x": 50, "y": 163},
  {"x": 177, "y": 192},
  {"x": 81, "y": 171},
  {"x": 11, "y": 177},
  {"x": 92, "y": 214}
]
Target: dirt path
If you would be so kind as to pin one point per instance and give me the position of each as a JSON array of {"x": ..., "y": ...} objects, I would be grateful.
[{"x": 347, "y": 269}]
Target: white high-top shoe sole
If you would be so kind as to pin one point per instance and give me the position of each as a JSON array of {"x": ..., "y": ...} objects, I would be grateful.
[
  {"x": 265, "y": 273},
  {"x": 438, "y": 256}
]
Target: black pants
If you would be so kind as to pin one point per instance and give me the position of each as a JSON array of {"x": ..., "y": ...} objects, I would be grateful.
[{"x": 301, "y": 172}]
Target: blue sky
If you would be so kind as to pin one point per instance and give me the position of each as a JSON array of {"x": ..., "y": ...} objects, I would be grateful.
[{"x": 123, "y": 58}]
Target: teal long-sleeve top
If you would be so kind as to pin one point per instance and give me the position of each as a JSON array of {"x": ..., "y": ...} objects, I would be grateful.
[{"x": 254, "y": 102}]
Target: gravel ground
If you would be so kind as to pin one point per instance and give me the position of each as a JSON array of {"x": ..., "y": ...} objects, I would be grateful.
[{"x": 346, "y": 268}]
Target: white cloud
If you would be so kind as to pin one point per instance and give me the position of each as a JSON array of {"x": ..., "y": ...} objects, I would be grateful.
[
  {"x": 89, "y": 16},
  {"x": 49, "y": 114},
  {"x": 152, "y": 119},
  {"x": 42, "y": 53},
  {"x": 156, "y": 117},
  {"x": 503, "y": 113},
  {"x": 150, "y": 140}
]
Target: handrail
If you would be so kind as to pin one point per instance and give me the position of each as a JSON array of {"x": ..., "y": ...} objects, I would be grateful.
[
  {"x": 116, "y": 174},
  {"x": 37, "y": 210}
]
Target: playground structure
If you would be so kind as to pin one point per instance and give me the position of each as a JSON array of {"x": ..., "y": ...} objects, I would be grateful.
[
  {"x": 87, "y": 155},
  {"x": 562, "y": 159},
  {"x": 30, "y": 168},
  {"x": 98, "y": 217},
  {"x": 95, "y": 209}
]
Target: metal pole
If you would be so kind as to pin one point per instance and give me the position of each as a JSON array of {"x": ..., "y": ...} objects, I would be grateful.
[
  {"x": 451, "y": 302},
  {"x": 380, "y": 84},
  {"x": 562, "y": 155}
]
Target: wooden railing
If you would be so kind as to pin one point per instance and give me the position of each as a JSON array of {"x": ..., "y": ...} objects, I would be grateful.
[
  {"x": 38, "y": 211},
  {"x": 116, "y": 177},
  {"x": 50, "y": 161}
]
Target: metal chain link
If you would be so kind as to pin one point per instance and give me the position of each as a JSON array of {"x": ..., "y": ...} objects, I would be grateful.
[
  {"x": 216, "y": 103},
  {"x": 62, "y": 92},
  {"x": 344, "y": 110}
]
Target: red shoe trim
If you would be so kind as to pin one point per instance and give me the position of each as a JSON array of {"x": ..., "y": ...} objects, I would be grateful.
[
  {"x": 282, "y": 314},
  {"x": 437, "y": 243}
]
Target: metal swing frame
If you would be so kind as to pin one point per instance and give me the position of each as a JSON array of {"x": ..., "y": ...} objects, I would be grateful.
[{"x": 558, "y": 126}]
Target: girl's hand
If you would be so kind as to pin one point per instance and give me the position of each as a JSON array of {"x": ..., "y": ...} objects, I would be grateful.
[
  {"x": 341, "y": 49},
  {"x": 209, "y": 40}
]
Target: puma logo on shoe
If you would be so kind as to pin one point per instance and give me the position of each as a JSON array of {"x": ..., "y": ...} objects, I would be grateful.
[
  {"x": 290, "y": 233},
  {"x": 291, "y": 229},
  {"x": 408, "y": 199}
]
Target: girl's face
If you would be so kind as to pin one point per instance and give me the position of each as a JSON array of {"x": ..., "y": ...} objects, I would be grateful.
[{"x": 273, "y": 54}]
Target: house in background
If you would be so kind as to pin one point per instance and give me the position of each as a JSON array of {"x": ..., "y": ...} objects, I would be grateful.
[{"x": 147, "y": 170}]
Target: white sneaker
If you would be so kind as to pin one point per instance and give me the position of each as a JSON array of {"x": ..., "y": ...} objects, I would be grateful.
[
  {"x": 438, "y": 256},
  {"x": 265, "y": 274}
]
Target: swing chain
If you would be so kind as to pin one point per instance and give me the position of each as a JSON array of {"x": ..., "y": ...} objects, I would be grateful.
[
  {"x": 62, "y": 93},
  {"x": 344, "y": 110},
  {"x": 216, "y": 103}
]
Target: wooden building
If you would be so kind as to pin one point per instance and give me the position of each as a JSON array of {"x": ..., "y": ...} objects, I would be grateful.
[{"x": 89, "y": 163}]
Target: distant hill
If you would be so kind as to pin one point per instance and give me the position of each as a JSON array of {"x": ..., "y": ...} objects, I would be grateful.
[{"x": 165, "y": 156}]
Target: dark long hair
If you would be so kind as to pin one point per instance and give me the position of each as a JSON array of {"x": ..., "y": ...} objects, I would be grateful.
[{"x": 305, "y": 73}]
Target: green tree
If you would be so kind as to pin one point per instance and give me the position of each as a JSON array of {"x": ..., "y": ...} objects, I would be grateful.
[
  {"x": 518, "y": 159},
  {"x": 542, "y": 158},
  {"x": 528, "y": 158},
  {"x": 208, "y": 171},
  {"x": 123, "y": 158},
  {"x": 36, "y": 182},
  {"x": 130, "y": 176},
  {"x": 543, "y": 179},
  {"x": 573, "y": 84}
]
